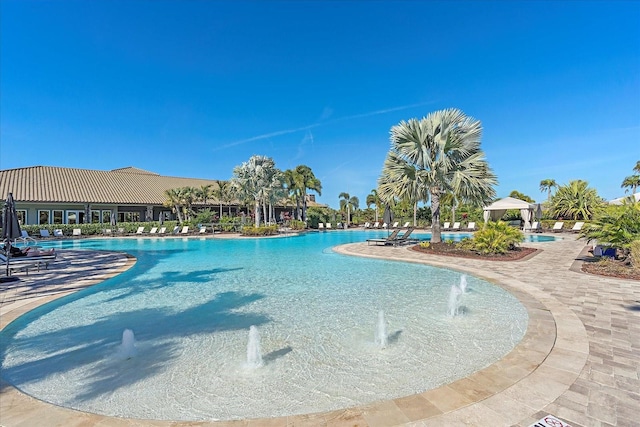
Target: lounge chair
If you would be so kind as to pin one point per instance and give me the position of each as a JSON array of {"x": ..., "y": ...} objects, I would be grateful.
[
  {"x": 577, "y": 227},
  {"x": 28, "y": 261},
  {"x": 471, "y": 226},
  {"x": 45, "y": 233},
  {"x": 163, "y": 230},
  {"x": 328, "y": 226},
  {"x": 202, "y": 230},
  {"x": 176, "y": 229},
  {"x": 153, "y": 230},
  {"x": 456, "y": 226},
  {"x": 58, "y": 233},
  {"x": 395, "y": 224},
  {"x": 406, "y": 224},
  {"x": 140, "y": 230},
  {"x": 107, "y": 232},
  {"x": 185, "y": 230},
  {"x": 77, "y": 232},
  {"x": 25, "y": 239},
  {"x": 321, "y": 226},
  {"x": 385, "y": 225},
  {"x": 366, "y": 225},
  {"x": 446, "y": 226},
  {"x": 385, "y": 241},
  {"x": 405, "y": 238},
  {"x": 535, "y": 227},
  {"x": 557, "y": 227},
  {"x": 376, "y": 224},
  {"x": 121, "y": 230}
]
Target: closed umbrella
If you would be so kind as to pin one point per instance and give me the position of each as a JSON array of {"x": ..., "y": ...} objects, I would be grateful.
[
  {"x": 387, "y": 217},
  {"x": 10, "y": 230}
]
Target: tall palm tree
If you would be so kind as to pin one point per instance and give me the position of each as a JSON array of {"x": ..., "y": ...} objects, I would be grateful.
[
  {"x": 435, "y": 155},
  {"x": 547, "y": 185},
  {"x": 218, "y": 192},
  {"x": 576, "y": 201},
  {"x": 348, "y": 202},
  {"x": 374, "y": 199},
  {"x": 306, "y": 180},
  {"x": 250, "y": 178}
]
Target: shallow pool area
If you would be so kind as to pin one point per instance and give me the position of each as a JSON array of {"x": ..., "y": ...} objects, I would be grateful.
[{"x": 191, "y": 302}]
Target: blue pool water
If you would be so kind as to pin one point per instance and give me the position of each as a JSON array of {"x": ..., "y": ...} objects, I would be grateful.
[{"x": 190, "y": 303}]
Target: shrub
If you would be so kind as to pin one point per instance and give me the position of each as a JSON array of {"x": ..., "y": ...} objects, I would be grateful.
[
  {"x": 250, "y": 230},
  {"x": 495, "y": 238},
  {"x": 634, "y": 254}
]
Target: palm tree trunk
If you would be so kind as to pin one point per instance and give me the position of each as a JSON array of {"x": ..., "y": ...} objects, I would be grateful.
[
  {"x": 435, "y": 216},
  {"x": 415, "y": 213},
  {"x": 256, "y": 212}
]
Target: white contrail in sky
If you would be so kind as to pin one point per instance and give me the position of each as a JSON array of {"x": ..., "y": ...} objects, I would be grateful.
[{"x": 315, "y": 125}]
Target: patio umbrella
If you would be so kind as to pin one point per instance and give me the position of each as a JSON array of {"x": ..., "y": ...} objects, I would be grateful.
[
  {"x": 387, "y": 217},
  {"x": 10, "y": 230},
  {"x": 538, "y": 211},
  {"x": 161, "y": 218}
]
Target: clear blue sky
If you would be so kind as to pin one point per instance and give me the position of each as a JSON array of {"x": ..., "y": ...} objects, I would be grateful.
[{"x": 194, "y": 88}]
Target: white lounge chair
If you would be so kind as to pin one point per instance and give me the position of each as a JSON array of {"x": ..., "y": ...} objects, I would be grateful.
[
  {"x": 446, "y": 226},
  {"x": 577, "y": 227},
  {"x": 140, "y": 230},
  {"x": 107, "y": 232},
  {"x": 163, "y": 230},
  {"x": 385, "y": 225},
  {"x": 395, "y": 224},
  {"x": 185, "y": 230},
  {"x": 471, "y": 226},
  {"x": 406, "y": 224},
  {"x": 376, "y": 224},
  {"x": 321, "y": 226},
  {"x": 456, "y": 226},
  {"x": 24, "y": 238},
  {"x": 175, "y": 230},
  {"x": 328, "y": 226},
  {"x": 77, "y": 232},
  {"x": 154, "y": 230},
  {"x": 366, "y": 225},
  {"x": 58, "y": 233},
  {"x": 557, "y": 227},
  {"x": 202, "y": 230},
  {"x": 535, "y": 227},
  {"x": 45, "y": 233}
]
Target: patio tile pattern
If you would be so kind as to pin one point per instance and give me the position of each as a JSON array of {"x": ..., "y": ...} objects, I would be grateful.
[{"x": 579, "y": 359}]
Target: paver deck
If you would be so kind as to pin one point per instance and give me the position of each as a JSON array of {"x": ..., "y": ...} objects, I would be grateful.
[{"x": 579, "y": 360}]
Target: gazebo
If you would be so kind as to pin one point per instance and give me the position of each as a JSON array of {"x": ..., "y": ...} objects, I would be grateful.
[{"x": 497, "y": 209}]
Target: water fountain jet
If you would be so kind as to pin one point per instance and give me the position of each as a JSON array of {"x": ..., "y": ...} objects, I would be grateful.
[
  {"x": 128, "y": 347},
  {"x": 381, "y": 331},
  {"x": 254, "y": 356}
]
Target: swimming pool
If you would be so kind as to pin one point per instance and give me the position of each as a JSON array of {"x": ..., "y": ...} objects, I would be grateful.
[{"x": 190, "y": 303}]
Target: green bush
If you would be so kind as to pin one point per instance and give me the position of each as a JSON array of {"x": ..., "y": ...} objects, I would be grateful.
[
  {"x": 250, "y": 230},
  {"x": 634, "y": 254},
  {"x": 495, "y": 238}
]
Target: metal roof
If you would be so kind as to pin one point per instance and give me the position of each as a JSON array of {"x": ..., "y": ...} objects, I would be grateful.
[{"x": 68, "y": 185}]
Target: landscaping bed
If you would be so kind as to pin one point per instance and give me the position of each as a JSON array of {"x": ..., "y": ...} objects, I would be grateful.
[
  {"x": 452, "y": 249},
  {"x": 611, "y": 268}
]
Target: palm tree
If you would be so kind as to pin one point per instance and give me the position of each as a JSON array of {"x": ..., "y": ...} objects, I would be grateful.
[
  {"x": 632, "y": 182},
  {"x": 374, "y": 199},
  {"x": 576, "y": 201},
  {"x": 174, "y": 202},
  {"x": 251, "y": 178},
  {"x": 347, "y": 203},
  {"x": 435, "y": 155},
  {"x": 547, "y": 185},
  {"x": 306, "y": 180}
]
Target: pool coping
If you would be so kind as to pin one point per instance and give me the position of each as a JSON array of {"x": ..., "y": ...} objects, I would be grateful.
[{"x": 540, "y": 368}]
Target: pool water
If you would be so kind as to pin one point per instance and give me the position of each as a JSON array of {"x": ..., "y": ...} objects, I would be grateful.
[{"x": 190, "y": 303}]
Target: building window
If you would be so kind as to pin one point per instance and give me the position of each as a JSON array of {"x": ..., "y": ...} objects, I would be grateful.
[
  {"x": 22, "y": 216},
  {"x": 95, "y": 217},
  {"x": 129, "y": 216},
  {"x": 57, "y": 217},
  {"x": 106, "y": 217},
  {"x": 44, "y": 217}
]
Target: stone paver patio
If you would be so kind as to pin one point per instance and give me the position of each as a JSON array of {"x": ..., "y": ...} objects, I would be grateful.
[{"x": 579, "y": 360}]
